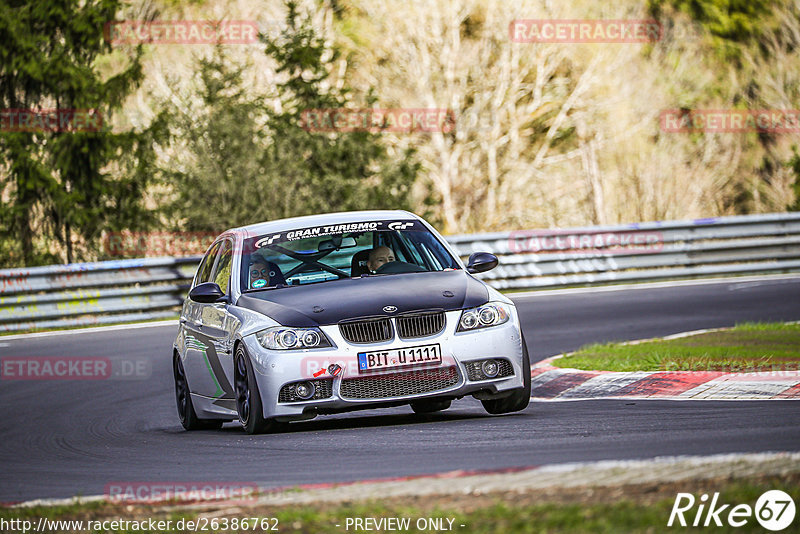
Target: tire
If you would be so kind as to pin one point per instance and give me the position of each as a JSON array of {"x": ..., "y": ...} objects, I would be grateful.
[
  {"x": 518, "y": 400},
  {"x": 183, "y": 398},
  {"x": 248, "y": 398},
  {"x": 430, "y": 406}
]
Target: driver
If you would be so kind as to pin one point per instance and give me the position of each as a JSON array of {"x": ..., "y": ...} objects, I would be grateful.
[{"x": 379, "y": 257}]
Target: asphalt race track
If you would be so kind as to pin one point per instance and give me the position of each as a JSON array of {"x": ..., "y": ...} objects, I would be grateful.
[{"x": 65, "y": 438}]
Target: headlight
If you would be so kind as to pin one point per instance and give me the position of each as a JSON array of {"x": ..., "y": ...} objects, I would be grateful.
[
  {"x": 285, "y": 338},
  {"x": 491, "y": 314}
]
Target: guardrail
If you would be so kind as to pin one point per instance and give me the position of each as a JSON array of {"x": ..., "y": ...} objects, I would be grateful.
[
  {"x": 152, "y": 288},
  {"x": 93, "y": 293},
  {"x": 718, "y": 246}
]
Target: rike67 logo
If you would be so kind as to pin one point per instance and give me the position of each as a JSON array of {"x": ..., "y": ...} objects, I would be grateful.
[{"x": 774, "y": 510}]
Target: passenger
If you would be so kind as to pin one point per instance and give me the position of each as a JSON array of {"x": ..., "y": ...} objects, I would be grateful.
[
  {"x": 259, "y": 274},
  {"x": 379, "y": 257}
]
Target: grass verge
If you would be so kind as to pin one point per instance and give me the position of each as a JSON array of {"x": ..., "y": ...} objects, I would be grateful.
[
  {"x": 747, "y": 347},
  {"x": 626, "y": 508}
]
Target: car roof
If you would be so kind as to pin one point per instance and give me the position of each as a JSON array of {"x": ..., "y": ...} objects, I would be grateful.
[{"x": 282, "y": 225}]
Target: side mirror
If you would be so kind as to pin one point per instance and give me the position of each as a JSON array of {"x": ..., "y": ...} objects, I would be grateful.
[
  {"x": 206, "y": 293},
  {"x": 480, "y": 262}
]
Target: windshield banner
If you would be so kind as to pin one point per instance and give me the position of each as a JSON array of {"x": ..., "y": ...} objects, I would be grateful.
[{"x": 334, "y": 229}]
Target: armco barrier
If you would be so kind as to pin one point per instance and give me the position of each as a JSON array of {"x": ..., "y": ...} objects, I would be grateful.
[
  {"x": 93, "y": 293},
  {"x": 718, "y": 246},
  {"x": 151, "y": 288}
]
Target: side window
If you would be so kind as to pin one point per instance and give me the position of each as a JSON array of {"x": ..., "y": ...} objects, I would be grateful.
[
  {"x": 399, "y": 244},
  {"x": 410, "y": 247},
  {"x": 204, "y": 271},
  {"x": 222, "y": 273},
  {"x": 437, "y": 250}
]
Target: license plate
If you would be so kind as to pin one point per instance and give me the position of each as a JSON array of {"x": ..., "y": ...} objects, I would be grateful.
[{"x": 389, "y": 358}]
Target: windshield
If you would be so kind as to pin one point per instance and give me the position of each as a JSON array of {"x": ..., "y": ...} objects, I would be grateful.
[{"x": 332, "y": 252}]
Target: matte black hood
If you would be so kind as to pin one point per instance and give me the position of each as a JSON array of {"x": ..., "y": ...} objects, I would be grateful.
[{"x": 330, "y": 302}]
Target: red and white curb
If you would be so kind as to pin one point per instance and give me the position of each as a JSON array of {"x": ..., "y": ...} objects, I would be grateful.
[{"x": 553, "y": 383}]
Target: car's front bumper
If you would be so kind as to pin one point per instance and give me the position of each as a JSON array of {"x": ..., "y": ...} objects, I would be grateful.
[{"x": 350, "y": 390}]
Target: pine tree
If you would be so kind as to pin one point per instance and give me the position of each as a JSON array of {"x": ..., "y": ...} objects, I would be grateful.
[
  {"x": 61, "y": 195},
  {"x": 246, "y": 163},
  {"x": 324, "y": 171}
]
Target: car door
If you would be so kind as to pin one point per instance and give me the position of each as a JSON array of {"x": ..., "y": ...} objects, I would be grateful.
[
  {"x": 202, "y": 327},
  {"x": 218, "y": 326}
]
